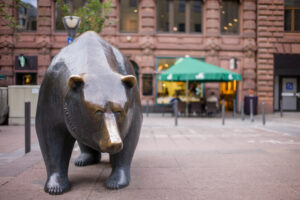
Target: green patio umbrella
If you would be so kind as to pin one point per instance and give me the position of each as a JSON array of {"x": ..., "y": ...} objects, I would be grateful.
[
  {"x": 2, "y": 77},
  {"x": 190, "y": 69}
]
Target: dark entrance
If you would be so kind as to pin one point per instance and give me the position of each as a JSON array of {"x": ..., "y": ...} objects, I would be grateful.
[
  {"x": 26, "y": 79},
  {"x": 287, "y": 82}
]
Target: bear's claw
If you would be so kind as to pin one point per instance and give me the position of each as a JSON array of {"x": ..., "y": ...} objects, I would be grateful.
[{"x": 118, "y": 179}]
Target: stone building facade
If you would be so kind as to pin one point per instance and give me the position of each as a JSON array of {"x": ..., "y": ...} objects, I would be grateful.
[{"x": 261, "y": 37}]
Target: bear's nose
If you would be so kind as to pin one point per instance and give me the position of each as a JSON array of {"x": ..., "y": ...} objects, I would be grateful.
[{"x": 110, "y": 140}]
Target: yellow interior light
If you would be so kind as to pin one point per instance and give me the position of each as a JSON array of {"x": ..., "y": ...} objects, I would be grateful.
[
  {"x": 229, "y": 24},
  {"x": 235, "y": 20},
  {"x": 225, "y": 28}
]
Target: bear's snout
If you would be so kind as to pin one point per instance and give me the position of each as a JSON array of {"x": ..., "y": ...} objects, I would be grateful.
[{"x": 110, "y": 140}]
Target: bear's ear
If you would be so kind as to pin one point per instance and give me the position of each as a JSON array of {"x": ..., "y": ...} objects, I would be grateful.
[
  {"x": 129, "y": 80},
  {"x": 76, "y": 82}
]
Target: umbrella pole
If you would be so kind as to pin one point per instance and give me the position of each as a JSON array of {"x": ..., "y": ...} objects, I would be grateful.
[{"x": 186, "y": 96}]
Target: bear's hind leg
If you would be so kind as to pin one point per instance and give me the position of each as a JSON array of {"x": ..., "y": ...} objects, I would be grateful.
[{"x": 88, "y": 156}]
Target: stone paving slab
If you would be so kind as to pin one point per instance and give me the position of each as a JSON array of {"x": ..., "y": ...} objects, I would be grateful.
[{"x": 199, "y": 159}]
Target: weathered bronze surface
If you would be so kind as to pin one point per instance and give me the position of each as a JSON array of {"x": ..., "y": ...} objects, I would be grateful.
[{"x": 88, "y": 94}]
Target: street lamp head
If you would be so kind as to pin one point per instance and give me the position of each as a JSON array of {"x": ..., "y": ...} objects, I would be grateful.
[{"x": 71, "y": 24}]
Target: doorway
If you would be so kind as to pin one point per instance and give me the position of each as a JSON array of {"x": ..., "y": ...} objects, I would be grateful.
[{"x": 290, "y": 93}]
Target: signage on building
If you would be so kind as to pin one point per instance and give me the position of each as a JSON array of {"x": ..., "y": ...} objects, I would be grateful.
[{"x": 289, "y": 86}]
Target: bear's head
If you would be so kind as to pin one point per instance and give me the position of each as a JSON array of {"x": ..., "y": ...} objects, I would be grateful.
[{"x": 98, "y": 110}]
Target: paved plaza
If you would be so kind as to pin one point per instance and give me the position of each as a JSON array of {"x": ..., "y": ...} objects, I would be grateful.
[{"x": 198, "y": 159}]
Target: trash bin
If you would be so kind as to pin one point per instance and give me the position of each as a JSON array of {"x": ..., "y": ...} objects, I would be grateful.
[{"x": 247, "y": 104}]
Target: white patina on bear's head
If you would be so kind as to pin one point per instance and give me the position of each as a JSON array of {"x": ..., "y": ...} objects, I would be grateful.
[{"x": 97, "y": 109}]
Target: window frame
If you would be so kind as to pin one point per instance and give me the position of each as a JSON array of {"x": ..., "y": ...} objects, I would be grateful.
[
  {"x": 292, "y": 8},
  {"x": 187, "y": 18}
]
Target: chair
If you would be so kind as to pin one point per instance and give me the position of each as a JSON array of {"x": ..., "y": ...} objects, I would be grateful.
[
  {"x": 181, "y": 107},
  {"x": 196, "y": 108},
  {"x": 211, "y": 108}
]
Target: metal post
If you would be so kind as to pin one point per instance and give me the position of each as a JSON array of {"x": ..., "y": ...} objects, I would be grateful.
[
  {"x": 242, "y": 111},
  {"x": 147, "y": 109},
  {"x": 187, "y": 97},
  {"x": 163, "y": 110},
  {"x": 281, "y": 112},
  {"x": 251, "y": 110},
  {"x": 263, "y": 112},
  {"x": 176, "y": 111},
  {"x": 223, "y": 112},
  {"x": 234, "y": 108},
  {"x": 27, "y": 127}
]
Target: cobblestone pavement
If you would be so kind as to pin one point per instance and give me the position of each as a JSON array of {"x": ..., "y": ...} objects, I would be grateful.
[{"x": 198, "y": 159}]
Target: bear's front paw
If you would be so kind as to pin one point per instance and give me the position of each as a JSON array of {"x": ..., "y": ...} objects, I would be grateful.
[
  {"x": 56, "y": 184},
  {"x": 119, "y": 178},
  {"x": 86, "y": 159}
]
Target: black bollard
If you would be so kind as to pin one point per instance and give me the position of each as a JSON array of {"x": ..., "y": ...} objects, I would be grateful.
[
  {"x": 27, "y": 127},
  {"x": 234, "y": 108},
  {"x": 281, "y": 112},
  {"x": 223, "y": 112},
  {"x": 163, "y": 110},
  {"x": 147, "y": 109},
  {"x": 263, "y": 112},
  {"x": 251, "y": 110},
  {"x": 242, "y": 111},
  {"x": 175, "y": 106}
]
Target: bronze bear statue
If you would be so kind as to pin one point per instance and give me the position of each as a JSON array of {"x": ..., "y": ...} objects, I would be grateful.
[{"x": 88, "y": 94}]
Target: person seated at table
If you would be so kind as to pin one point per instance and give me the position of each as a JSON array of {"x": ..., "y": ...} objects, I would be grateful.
[
  {"x": 172, "y": 101},
  {"x": 213, "y": 100}
]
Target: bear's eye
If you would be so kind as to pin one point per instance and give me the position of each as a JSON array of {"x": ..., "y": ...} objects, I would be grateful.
[
  {"x": 118, "y": 113},
  {"x": 99, "y": 112}
]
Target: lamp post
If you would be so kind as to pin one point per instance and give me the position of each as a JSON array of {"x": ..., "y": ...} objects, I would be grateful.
[{"x": 71, "y": 24}]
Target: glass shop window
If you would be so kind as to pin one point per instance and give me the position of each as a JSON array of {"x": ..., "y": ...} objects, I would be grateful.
[
  {"x": 147, "y": 80},
  {"x": 179, "y": 16},
  {"x": 230, "y": 17},
  {"x": 166, "y": 90},
  {"x": 292, "y": 15},
  {"x": 59, "y": 14},
  {"x": 129, "y": 16},
  {"x": 27, "y": 15},
  {"x": 26, "y": 79}
]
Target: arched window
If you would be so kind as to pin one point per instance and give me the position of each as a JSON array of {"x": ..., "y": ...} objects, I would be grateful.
[
  {"x": 291, "y": 15},
  {"x": 175, "y": 16},
  {"x": 129, "y": 17},
  {"x": 229, "y": 14}
]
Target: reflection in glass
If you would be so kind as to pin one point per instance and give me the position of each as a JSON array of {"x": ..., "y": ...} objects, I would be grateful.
[
  {"x": 27, "y": 15},
  {"x": 75, "y": 4},
  {"x": 129, "y": 16},
  {"x": 297, "y": 19},
  {"x": 162, "y": 16},
  {"x": 287, "y": 20},
  {"x": 229, "y": 16},
  {"x": 196, "y": 16},
  {"x": 179, "y": 16}
]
